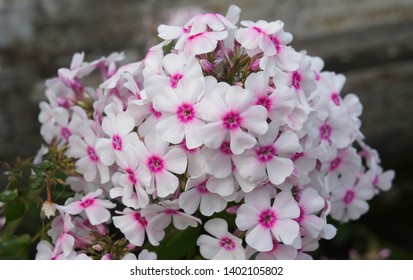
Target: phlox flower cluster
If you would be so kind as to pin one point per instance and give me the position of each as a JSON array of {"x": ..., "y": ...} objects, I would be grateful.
[{"x": 219, "y": 117}]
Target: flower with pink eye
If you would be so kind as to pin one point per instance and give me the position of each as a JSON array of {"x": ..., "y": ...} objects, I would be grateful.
[
  {"x": 222, "y": 245},
  {"x": 96, "y": 209},
  {"x": 161, "y": 160},
  {"x": 119, "y": 128},
  {"x": 180, "y": 117},
  {"x": 231, "y": 114},
  {"x": 262, "y": 221}
]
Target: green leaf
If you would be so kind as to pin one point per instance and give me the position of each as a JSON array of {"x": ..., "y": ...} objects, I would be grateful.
[
  {"x": 36, "y": 183},
  {"x": 167, "y": 48},
  {"x": 15, "y": 210},
  {"x": 14, "y": 247},
  {"x": 9, "y": 195},
  {"x": 179, "y": 245},
  {"x": 15, "y": 243}
]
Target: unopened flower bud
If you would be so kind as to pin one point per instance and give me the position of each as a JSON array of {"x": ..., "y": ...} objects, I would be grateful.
[
  {"x": 97, "y": 247},
  {"x": 107, "y": 257},
  {"x": 102, "y": 230},
  {"x": 206, "y": 65},
  {"x": 130, "y": 247},
  {"x": 255, "y": 65},
  {"x": 232, "y": 209}
]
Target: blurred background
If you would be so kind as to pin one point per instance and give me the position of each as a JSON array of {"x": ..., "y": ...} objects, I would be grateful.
[{"x": 369, "y": 41}]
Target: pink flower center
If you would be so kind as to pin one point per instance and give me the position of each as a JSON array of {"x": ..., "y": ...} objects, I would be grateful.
[
  {"x": 335, "y": 164},
  {"x": 297, "y": 156},
  {"x": 317, "y": 76},
  {"x": 87, "y": 202},
  {"x": 267, "y": 218},
  {"x": 301, "y": 217},
  {"x": 232, "y": 120},
  {"x": 185, "y": 148},
  {"x": 335, "y": 98},
  {"x": 276, "y": 43},
  {"x": 141, "y": 220},
  {"x": 175, "y": 79},
  {"x": 65, "y": 132},
  {"x": 257, "y": 29},
  {"x": 349, "y": 197},
  {"x": 62, "y": 103},
  {"x": 192, "y": 37},
  {"x": 171, "y": 212},
  {"x": 296, "y": 80},
  {"x": 131, "y": 176},
  {"x": 227, "y": 243},
  {"x": 265, "y": 153},
  {"x": 201, "y": 188},
  {"x": 225, "y": 148},
  {"x": 155, "y": 164},
  {"x": 117, "y": 142},
  {"x": 264, "y": 101},
  {"x": 185, "y": 112},
  {"x": 187, "y": 29},
  {"x": 92, "y": 154},
  {"x": 155, "y": 113},
  {"x": 375, "y": 181},
  {"x": 325, "y": 131}
]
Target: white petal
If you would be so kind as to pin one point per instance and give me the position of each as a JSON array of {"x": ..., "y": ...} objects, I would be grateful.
[
  {"x": 260, "y": 239},
  {"x": 169, "y": 32},
  {"x": 192, "y": 136},
  {"x": 247, "y": 217},
  {"x": 266, "y": 45},
  {"x": 278, "y": 169},
  {"x": 166, "y": 102},
  {"x": 87, "y": 168},
  {"x": 313, "y": 225},
  {"x": 183, "y": 220},
  {"x": 166, "y": 183},
  {"x": 175, "y": 160},
  {"x": 212, "y": 108},
  {"x": 170, "y": 129},
  {"x": 285, "y": 206},
  {"x": 130, "y": 228},
  {"x": 105, "y": 151},
  {"x": 241, "y": 140},
  {"x": 259, "y": 199},
  {"x": 211, "y": 204},
  {"x": 285, "y": 231},
  {"x": 125, "y": 123},
  {"x": 257, "y": 83},
  {"x": 155, "y": 144},
  {"x": 97, "y": 215},
  {"x": 238, "y": 99},
  {"x": 311, "y": 201},
  {"x": 208, "y": 246},
  {"x": 189, "y": 201},
  {"x": 250, "y": 168},
  {"x": 255, "y": 119},
  {"x": 217, "y": 227},
  {"x": 223, "y": 187},
  {"x": 213, "y": 134},
  {"x": 73, "y": 208},
  {"x": 287, "y": 143},
  {"x": 218, "y": 163}
]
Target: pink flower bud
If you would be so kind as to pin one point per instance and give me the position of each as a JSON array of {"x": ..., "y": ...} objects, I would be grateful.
[
  {"x": 102, "y": 230},
  {"x": 206, "y": 65},
  {"x": 255, "y": 65}
]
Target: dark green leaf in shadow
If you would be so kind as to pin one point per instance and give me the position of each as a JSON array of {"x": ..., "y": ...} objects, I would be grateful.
[
  {"x": 179, "y": 245},
  {"x": 9, "y": 195},
  {"x": 15, "y": 210}
]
